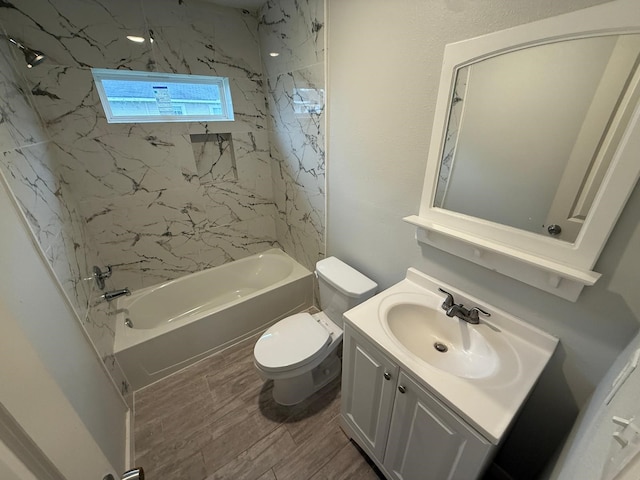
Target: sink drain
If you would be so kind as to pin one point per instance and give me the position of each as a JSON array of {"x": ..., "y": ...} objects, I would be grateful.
[{"x": 441, "y": 347}]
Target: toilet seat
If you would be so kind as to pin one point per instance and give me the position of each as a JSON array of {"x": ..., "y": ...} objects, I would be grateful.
[{"x": 291, "y": 343}]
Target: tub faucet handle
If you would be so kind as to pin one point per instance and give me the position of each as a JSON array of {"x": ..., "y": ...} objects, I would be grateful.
[{"x": 99, "y": 275}]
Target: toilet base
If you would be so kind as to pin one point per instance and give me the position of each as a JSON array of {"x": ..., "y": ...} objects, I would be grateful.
[{"x": 291, "y": 391}]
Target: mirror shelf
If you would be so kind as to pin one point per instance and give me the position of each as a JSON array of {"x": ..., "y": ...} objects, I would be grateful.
[
  {"x": 562, "y": 266},
  {"x": 553, "y": 277}
]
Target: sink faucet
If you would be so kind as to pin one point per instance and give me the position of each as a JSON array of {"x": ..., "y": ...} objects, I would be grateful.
[
  {"x": 108, "y": 296},
  {"x": 453, "y": 309}
]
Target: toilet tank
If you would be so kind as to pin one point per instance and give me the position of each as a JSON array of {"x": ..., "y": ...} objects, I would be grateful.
[{"x": 341, "y": 287}]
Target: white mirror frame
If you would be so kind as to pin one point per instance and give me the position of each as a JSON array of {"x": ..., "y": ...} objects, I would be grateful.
[{"x": 558, "y": 267}]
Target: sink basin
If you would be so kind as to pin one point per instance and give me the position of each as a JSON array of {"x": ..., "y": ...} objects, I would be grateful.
[{"x": 449, "y": 344}]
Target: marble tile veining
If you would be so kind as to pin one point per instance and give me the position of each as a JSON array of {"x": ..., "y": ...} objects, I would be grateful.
[
  {"x": 295, "y": 97},
  {"x": 295, "y": 30},
  {"x": 20, "y": 124},
  {"x": 85, "y": 33},
  {"x": 203, "y": 49}
]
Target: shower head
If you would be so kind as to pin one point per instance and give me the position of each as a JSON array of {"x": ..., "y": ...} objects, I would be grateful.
[{"x": 32, "y": 57}]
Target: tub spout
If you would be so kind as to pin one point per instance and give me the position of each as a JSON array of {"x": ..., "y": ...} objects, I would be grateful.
[{"x": 108, "y": 296}]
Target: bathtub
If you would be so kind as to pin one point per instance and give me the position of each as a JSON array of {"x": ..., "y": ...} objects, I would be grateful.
[{"x": 179, "y": 322}]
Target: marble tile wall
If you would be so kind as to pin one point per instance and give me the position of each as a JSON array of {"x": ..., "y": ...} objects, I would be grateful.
[
  {"x": 131, "y": 195},
  {"x": 153, "y": 216},
  {"x": 294, "y": 29},
  {"x": 30, "y": 168}
]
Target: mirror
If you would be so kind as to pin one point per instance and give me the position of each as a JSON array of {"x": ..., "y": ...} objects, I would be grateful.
[
  {"x": 532, "y": 132},
  {"x": 536, "y": 126}
]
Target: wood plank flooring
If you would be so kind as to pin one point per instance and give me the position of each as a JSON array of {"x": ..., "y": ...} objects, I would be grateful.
[{"x": 217, "y": 420}]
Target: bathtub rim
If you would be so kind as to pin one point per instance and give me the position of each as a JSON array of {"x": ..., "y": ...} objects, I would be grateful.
[{"x": 126, "y": 338}]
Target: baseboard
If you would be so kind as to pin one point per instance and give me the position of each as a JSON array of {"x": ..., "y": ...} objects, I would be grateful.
[{"x": 130, "y": 452}]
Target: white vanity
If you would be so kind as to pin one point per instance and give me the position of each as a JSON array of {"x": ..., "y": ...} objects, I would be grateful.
[{"x": 429, "y": 396}]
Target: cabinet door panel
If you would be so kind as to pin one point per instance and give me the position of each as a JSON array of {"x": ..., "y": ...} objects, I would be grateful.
[
  {"x": 427, "y": 442},
  {"x": 367, "y": 393}
]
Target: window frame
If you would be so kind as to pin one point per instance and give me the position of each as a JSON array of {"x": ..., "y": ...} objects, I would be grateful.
[{"x": 100, "y": 74}]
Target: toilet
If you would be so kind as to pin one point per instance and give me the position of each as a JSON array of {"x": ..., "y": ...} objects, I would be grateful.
[{"x": 300, "y": 352}]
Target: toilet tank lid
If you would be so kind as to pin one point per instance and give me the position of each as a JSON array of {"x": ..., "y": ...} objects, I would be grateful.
[{"x": 345, "y": 278}]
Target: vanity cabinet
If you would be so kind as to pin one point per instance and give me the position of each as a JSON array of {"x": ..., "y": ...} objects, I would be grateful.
[
  {"x": 368, "y": 389},
  {"x": 426, "y": 440},
  {"x": 408, "y": 432}
]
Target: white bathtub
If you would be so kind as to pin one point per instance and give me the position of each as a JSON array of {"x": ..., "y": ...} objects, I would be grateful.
[{"x": 184, "y": 320}]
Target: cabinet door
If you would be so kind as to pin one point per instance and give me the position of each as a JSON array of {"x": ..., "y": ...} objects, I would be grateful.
[
  {"x": 428, "y": 442},
  {"x": 368, "y": 388}
]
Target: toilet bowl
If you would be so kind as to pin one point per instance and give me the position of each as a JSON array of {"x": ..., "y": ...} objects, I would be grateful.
[{"x": 300, "y": 352}]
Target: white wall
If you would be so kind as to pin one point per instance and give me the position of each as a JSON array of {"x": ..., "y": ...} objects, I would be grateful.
[
  {"x": 53, "y": 383},
  {"x": 586, "y": 453},
  {"x": 375, "y": 167},
  {"x": 11, "y": 468}
]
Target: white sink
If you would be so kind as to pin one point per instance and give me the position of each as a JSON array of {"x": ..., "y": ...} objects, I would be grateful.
[
  {"x": 446, "y": 343},
  {"x": 487, "y": 370}
]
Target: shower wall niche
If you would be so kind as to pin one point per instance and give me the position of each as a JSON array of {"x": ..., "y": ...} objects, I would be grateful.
[{"x": 215, "y": 158}]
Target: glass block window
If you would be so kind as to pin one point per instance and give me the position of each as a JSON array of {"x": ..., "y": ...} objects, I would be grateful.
[{"x": 140, "y": 97}]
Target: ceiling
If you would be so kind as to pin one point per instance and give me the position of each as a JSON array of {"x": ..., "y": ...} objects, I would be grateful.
[{"x": 252, "y": 5}]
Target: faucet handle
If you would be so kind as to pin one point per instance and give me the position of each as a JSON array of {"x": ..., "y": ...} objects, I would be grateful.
[
  {"x": 475, "y": 312},
  {"x": 448, "y": 302},
  {"x": 99, "y": 275}
]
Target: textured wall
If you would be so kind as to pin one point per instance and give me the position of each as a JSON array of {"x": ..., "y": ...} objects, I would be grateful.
[{"x": 296, "y": 98}]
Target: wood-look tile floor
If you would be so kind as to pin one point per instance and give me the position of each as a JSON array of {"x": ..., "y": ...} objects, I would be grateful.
[{"x": 217, "y": 420}]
